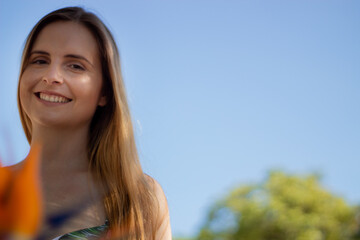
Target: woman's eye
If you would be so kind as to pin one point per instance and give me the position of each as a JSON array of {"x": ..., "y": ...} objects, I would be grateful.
[
  {"x": 76, "y": 67},
  {"x": 39, "y": 61}
]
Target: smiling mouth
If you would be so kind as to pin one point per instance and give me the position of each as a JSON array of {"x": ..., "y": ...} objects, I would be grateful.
[{"x": 52, "y": 98}]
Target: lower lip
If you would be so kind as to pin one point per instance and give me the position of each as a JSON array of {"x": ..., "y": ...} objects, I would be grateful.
[{"x": 47, "y": 103}]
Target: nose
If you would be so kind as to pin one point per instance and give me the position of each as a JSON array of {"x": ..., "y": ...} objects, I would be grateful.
[{"x": 53, "y": 75}]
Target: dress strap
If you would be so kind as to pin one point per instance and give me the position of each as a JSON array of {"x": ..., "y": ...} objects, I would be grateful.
[{"x": 86, "y": 233}]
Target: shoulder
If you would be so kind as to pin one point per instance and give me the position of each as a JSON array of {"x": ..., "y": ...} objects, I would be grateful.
[
  {"x": 163, "y": 231},
  {"x": 156, "y": 189}
]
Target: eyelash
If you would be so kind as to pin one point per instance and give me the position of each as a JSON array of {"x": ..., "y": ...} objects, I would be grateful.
[
  {"x": 76, "y": 67},
  {"x": 39, "y": 61}
]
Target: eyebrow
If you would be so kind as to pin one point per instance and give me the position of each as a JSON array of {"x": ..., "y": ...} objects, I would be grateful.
[
  {"x": 67, "y": 56},
  {"x": 39, "y": 52}
]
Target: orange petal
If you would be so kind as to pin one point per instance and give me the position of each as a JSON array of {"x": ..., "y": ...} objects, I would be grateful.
[
  {"x": 26, "y": 196},
  {"x": 5, "y": 176},
  {"x": 5, "y": 184}
]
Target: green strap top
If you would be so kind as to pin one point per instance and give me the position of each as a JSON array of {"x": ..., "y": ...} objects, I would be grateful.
[{"x": 86, "y": 234}]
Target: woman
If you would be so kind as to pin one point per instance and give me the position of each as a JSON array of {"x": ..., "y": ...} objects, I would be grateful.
[{"x": 72, "y": 102}]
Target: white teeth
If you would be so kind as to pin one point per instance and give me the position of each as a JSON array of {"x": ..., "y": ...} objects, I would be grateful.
[{"x": 53, "y": 98}]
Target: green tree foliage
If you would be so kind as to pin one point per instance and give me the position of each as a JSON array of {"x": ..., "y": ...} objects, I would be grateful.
[
  {"x": 284, "y": 207},
  {"x": 180, "y": 238}
]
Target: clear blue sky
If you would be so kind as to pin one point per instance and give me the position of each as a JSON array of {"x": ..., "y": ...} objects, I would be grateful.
[{"x": 221, "y": 91}]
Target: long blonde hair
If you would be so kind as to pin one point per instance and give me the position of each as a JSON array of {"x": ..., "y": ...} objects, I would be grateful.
[{"x": 130, "y": 204}]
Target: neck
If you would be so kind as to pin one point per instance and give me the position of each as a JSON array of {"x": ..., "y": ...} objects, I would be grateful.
[{"x": 62, "y": 150}]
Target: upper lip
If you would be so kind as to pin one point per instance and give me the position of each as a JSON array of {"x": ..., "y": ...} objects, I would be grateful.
[{"x": 52, "y": 93}]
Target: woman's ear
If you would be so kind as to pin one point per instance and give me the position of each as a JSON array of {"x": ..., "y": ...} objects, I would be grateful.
[{"x": 102, "y": 101}]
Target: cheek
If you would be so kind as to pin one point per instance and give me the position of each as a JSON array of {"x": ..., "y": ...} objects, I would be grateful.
[
  {"x": 25, "y": 92},
  {"x": 87, "y": 93},
  {"x": 87, "y": 89},
  {"x": 27, "y": 81}
]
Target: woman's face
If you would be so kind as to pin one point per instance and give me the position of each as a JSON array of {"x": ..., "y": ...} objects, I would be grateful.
[{"x": 61, "y": 85}]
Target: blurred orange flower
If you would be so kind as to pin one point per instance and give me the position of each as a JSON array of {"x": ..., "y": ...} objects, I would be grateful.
[{"x": 21, "y": 199}]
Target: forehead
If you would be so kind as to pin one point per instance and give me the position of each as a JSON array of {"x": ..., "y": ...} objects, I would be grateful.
[{"x": 66, "y": 37}]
